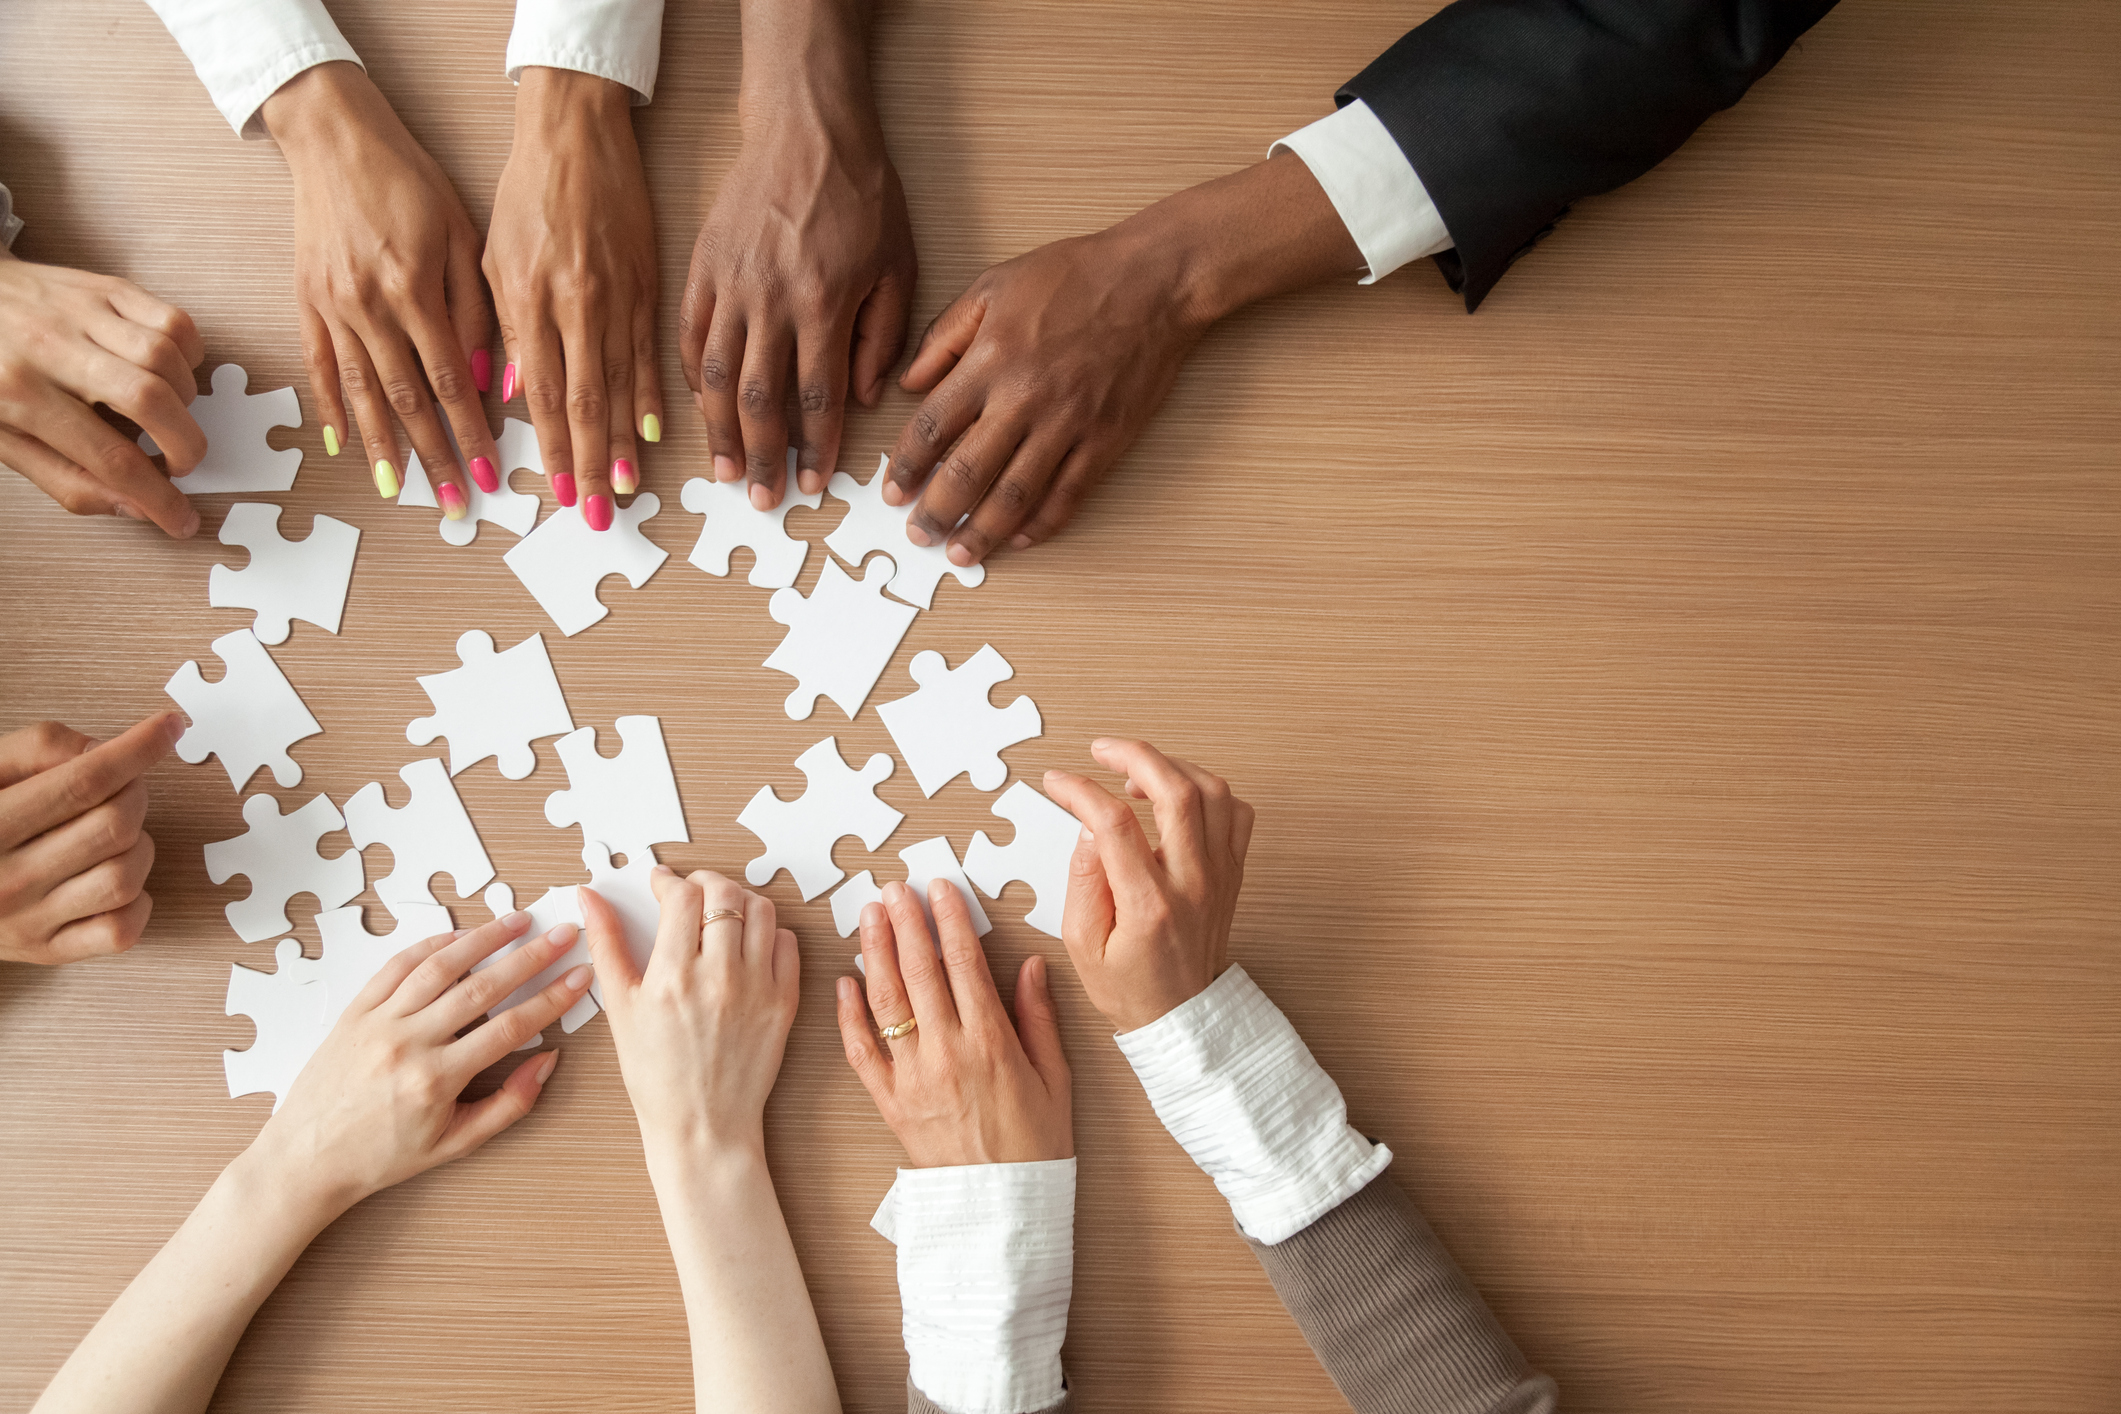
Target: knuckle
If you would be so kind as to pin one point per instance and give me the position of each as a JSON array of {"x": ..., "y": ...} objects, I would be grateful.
[
  {"x": 80, "y": 501},
  {"x": 714, "y": 374},
  {"x": 586, "y": 403},
  {"x": 353, "y": 378},
  {"x": 404, "y": 398},
  {"x": 546, "y": 397},
  {"x": 46, "y": 737},
  {"x": 1011, "y": 494},
  {"x": 450, "y": 383},
  {"x": 755, "y": 398},
  {"x": 926, "y": 428},
  {"x": 618, "y": 374},
  {"x": 116, "y": 459},
  {"x": 817, "y": 398},
  {"x": 963, "y": 473}
]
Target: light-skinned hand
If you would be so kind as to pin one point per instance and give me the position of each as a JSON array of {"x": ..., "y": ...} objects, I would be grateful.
[
  {"x": 387, "y": 282},
  {"x": 965, "y": 1086},
  {"x": 1150, "y": 928},
  {"x": 570, "y": 254},
  {"x": 73, "y": 858},
  {"x": 379, "y": 1101},
  {"x": 701, "y": 1030},
  {"x": 70, "y": 340}
]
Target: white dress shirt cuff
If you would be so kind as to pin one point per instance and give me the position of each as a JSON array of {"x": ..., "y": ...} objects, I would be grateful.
[
  {"x": 1240, "y": 1092},
  {"x": 244, "y": 50},
  {"x": 1371, "y": 184},
  {"x": 620, "y": 40},
  {"x": 986, "y": 1262}
]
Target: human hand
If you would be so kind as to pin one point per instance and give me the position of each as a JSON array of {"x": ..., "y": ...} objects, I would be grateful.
[
  {"x": 378, "y": 1102},
  {"x": 73, "y": 857},
  {"x": 1150, "y": 928},
  {"x": 963, "y": 1087},
  {"x": 700, "y": 1031},
  {"x": 805, "y": 260},
  {"x": 387, "y": 281},
  {"x": 570, "y": 254},
  {"x": 70, "y": 340}
]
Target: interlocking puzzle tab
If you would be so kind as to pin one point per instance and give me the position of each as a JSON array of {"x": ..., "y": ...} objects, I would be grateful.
[
  {"x": 279, "y": 855},
  {"x": 840, "y": 638},
  {"x": 430, "y": 835},
  {"x": 799, "y": 834},
  {"x": 287, "y": 1007},
  {"x": 870, "y": 525},
  {"x": 1038, "y": 856},
  {"x": 495, "y": 705},
  {"x": 630, "y": 801},
  {"x": 238, "y": 458},
  {"x": 512, "y": 510},
  {"x": 249, "y": 718},
  {"x": 285, "y": 579},
  {"x": 949, "y": 726},
  {"x": 731, "y": 520},
  {"x": 562, "y": 562}
]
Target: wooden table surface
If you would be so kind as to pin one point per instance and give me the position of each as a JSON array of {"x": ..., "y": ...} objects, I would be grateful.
[{"x": 1681, "y": 704}]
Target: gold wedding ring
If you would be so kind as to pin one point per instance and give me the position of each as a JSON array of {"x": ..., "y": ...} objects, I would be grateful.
[
  {"x": 904, "y": 1028},
  {"x": 716, "y": 915}
]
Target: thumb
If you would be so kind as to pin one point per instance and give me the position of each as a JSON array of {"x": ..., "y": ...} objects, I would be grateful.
[
  {"x": 944, "y": 343},
  {"x": 1087, "y": 916},
  {"x": 608, "y": 953},
  {"x": 1038, "y": 1024},
  {"x": 879, "y": 336}
]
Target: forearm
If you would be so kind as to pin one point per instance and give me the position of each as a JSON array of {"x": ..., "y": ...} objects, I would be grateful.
[
  {"x": 755, "y": 1337},
  {"x": 161, "y": 1347},
  {"x": 808, "y": 61}
]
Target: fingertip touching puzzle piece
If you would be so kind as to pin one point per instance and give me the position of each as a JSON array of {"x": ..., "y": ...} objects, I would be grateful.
[
  {"x": 731, "y": 520},
  {"x": 236, "y": 421},
  {"x": 512, "y": 510},
  {"x": 925, "y": 862},
  {"x": 563, "y": 561},
  {"x": 870, "y": 526}
]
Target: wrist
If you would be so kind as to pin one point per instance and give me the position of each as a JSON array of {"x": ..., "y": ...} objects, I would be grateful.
[
  {"x": 549, "y": 99},
  {"x": 321, "y": 106},
  {"x": 278, "y": 1192},
  {"x": 700, "y": 1152}
]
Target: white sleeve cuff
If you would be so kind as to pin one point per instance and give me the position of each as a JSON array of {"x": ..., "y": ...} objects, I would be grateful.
[
  {"x": 620, "y": 40},
  {"x": 1240, "y": 1092},
  {"x": 244, "y": 50},
  {"x": 1371, "y": 184},
  {"x": 986, "y": 1262}
]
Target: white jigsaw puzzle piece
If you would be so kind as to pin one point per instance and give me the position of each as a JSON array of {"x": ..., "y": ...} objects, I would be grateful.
[
  {"x": 799, "y": 834},
  {"x": 249, "y": 718},
  {"x": 870, "y": 525},
  {"x": 557, "y": 906},
  {"x": 949, "y": 726},
  {"x": 1038, "y": 856},
  {"x": 631, "y": 897},
  {"x": 495, "y": 705},
  {"x": 840, "y": 638},
  {"x": 287, "y": 1007},
  {"x": 731, "y": 520},
  {"x": 238, "y": 458},
  {"x": 278, "y": 853},
  {"x": 512, "y": 510},
  {"x": 285, "y": 579},
  {"x": 629, "y": 801},
  {"x": 430, "y": 835},
  {"x": 352, "y": 954},
  {"x": 925, "y": 863},
  {"x": 562, "y": 561}
]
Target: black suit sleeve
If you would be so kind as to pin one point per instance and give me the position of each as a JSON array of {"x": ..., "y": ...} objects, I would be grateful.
[{"x": 1510, "y": 110}]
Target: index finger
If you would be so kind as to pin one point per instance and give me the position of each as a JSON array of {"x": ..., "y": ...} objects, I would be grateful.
[
  {"x": 449, "y": 374},
  {"x": 39, "y": 748},
  {"x": 1176, "y": 799},
  {"x": 53, "y": 797}
]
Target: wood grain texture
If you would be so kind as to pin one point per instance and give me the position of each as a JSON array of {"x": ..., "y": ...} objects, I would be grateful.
[{"x": 1683, "y": 705}]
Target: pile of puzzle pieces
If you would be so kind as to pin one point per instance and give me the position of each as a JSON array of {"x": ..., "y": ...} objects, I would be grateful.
[{"x": 497, "y": 703}]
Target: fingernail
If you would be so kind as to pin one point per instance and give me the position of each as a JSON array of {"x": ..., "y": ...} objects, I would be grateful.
[
  {"x": 386, "y": 479},
  {"x": 1019, "y": 542},
  {"x": 576, "y": 979},
  {"x": 597, "y": 511},
  {"x": 452, "y": 498},
  {"x": 121, "y": 509},
  {"x": 560, "y": 936},
  {"x": 482, "y": 369},
  {"x": 331, "y": 440},
  {"x": 517, "y": 920},
  {"x": 960, "y": 556},
  {"x": 623, "y": 479},
  {"x": 917, "y": 535},
  {"x": 482, "y": 472},
  {"x": 1101, "y": 743},
  {"x": 810, "y": 479},
  {"x": 662, "y": 869},
  {"x": 761, "y": 498},
  {"x": 1086, "y": 837},
  {"x": 893, "y": 496},
  {"x": 563, "y": 487},
  {"x": 651, "y": 427},
  {"x": 726, "y": 469},
  {"x": 552, "y": 1058},
  {"x": 508, "y": 384}
]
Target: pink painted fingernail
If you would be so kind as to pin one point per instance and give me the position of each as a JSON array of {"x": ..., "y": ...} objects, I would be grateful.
[
  {"x": 482, "y": 369},
  {"x": 508, "y": 384},
  {"x": 597, "y": 511},
  {"x": 726, "y": 469},
  {"x": 563, "y": 487},
  {"x": 452, "y": 498},
  {"x": 623, "y": 477},
  {"x": 482, "y": 472}
]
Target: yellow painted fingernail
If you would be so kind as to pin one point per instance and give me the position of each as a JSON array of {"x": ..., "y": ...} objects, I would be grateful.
[
  {"x": 651, "y": 427},
  {"x": 386, "y": 479},
  {"x": 331, "y": 440}
]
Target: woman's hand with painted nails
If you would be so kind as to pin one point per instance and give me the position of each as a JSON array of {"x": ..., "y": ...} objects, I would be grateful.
[
  {"x": 803, "y": 274},
  {"x": 387, "y": 279},
  {"x": 964, "y": 1086},
  {"x": 701, "y": 1028},
  {"x": 73, "y": 855},
  {"x": 70, "y": 340},
  {"x": 381, "y": 1100},
  {"x": 1150, "y": 928},
  {"x": 570, "y": 254}
]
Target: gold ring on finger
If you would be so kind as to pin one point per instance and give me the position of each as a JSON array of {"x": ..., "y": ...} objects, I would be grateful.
[
  {"x": 717, "y": 914},
  {"x": 904, "y": 1028}
]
